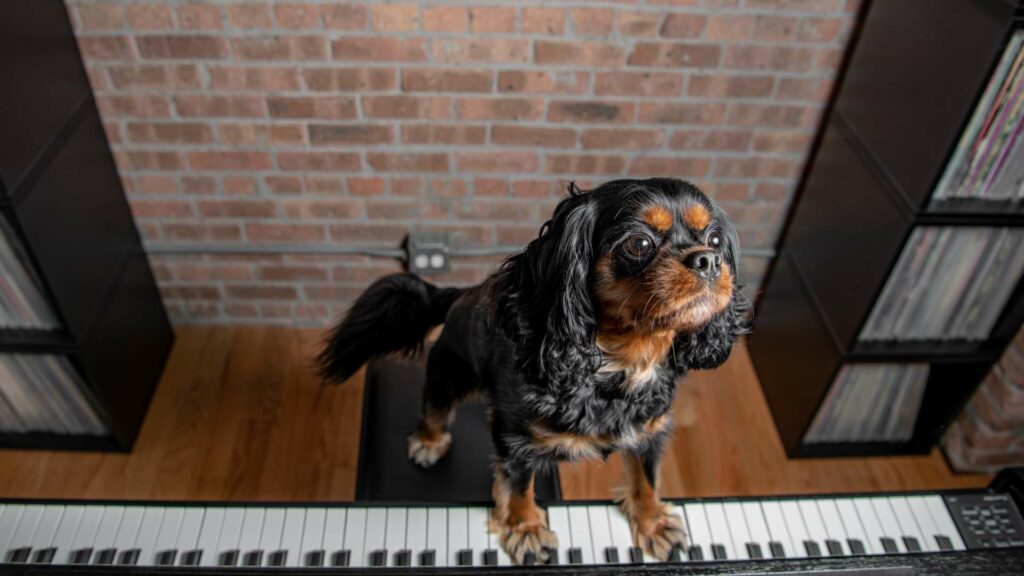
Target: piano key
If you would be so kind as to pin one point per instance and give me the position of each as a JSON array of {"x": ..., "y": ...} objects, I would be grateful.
[
  {"x": 756, "y": 525},
  {"x": 128, "y": 530},
  {"x": 312, "y": 550},
  {"x": 600, "y": 532},
  {"x": 927, "y": 527},
  {"x": 313, "y": 558},
  {"x": 464, "y": 557},
  {"x": 889, "y": 545},
  {"x": 945, "y": 544},
  {"x": 458, "y": 534},
  {"x": 378, "y": 558},
  {"x": 477, "y": 523},
  {"x": 777, "y": 549},
  {"x": 429, "y": 558},
  {"x": 106, "y": 532},
  {"x": 816, "y": 532},
  {"x": 700, "y": 534},
  {"x": 416, "y": 531},
  {"x": 558, "y": 522},
  {"x": 777, "y": 529},
  {"x": 575, "y": 555},
  {"x": 812, "y": 548},
  {"x": 854, "y": 526},
  {"x": 19, "y": 544},
  {"x": 47, "y": 528},
  {"x": 44, "y": 555},
  {"x": 19, "y": 555},
  {"x": 291, "y": 536},
  {"x": 738, "y": 529},
  {"x": 228, "y": 558},
  {"x": 943, "y": 521},
  {"x": 209, "y": 534},
  {"x": 795, "y": 525},
  {"x": 834, "y": 547},
  {"x": 403, "y": 558},
  {"x": 856, "y": 546},
  {"x": 129, "y": 557},
  {"x": 270, "y": 535},
  {"x": 887, "y": 522},
  {"x": 754, "y": 551},
  {"x": 188, "y": 535},
  {"x": 81, "y": 556},
  {"x": 249, "y": 538},
  {"x": 719, "y": 528},
  {"x": 636, "y": 555},
  {"x": 611, "y": 555},
  {"x": 437, "y": 535},
  {"x": 192, "y": 558},
  {"x": 376, "y": 524},
  {"x": 912, "y": 544},
  {"x": 676, "y": 554},
  {"x": 168, "y": 536},
  {"x": 873, "y": 532},
  {"x": 695, "y": 553},
  {"x": 622, "y": 535},
  {"x": 719, "y": 552},
  {"x": 9, "y": 518},
  {"x": 834, "y": 528},
  {"x": 166, "y": 557},
  {"x": 490, "y": 557},
  {"x": 277, "y": 558},
  {"x": 66, "y": 529},
  {"x": 228, "y": 551},
  {"x": 911, "y": 530},
  {"x": 685, "y": 524},
  {"x": 85, "y": 534},
  {"x": 252, "y": 558},
  {"x": 341, "y": 559},
  {"x": 336, "y": 536},
  {"x": 105, "y": 556},
  {"x": 494, "y": 543},
  {"x": 579, "y": 526},
  {"x": 394, "y": 533}
]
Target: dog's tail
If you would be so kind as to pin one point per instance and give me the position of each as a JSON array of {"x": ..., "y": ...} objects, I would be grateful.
[{"x": 393, "y": 315}]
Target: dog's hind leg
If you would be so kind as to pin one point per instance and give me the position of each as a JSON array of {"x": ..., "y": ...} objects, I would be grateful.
[{"x": 444, "y": 388}]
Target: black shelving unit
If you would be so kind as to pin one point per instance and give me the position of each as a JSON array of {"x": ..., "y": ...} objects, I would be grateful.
[
  {"x": 62, "y": 201},
  {"x": 910, "y": 81}
]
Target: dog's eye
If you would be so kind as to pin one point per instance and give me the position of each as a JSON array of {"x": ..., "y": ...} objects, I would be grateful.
[
  {"x": 715, "y": 239},
  {"x": 638, "y": 245}
]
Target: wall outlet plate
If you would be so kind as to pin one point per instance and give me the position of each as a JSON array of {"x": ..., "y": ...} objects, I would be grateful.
[{"x": 428, "y": 253}]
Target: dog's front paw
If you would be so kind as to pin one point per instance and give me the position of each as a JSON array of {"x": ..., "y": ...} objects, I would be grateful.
[
  {"x": 526, "y": 541},
  {"x": 425, "y": 451},
  {"x": 658, "y": 532}
]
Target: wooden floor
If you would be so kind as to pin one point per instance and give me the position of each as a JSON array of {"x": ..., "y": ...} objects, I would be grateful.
[{"x": 239, "y": 415}]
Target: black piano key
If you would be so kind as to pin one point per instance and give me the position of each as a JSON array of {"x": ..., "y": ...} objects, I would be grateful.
[
  {"x": 465, "y": 557},
  {"x": 812, "y": 548},
  {"x": 166, "y": 558},
  {"x": 378, "y": 558},
  {"x": 19, "y": 555},
  {"x": 675, "y": 554},
  {"x": 754, "y": 550},
  {"x": 776, "y": 549},
  {"x": 695, "y": 553},
  {"x": 834, "y": 548},
  {"x": 191, "y": 558},
  {"x": 856, "y": 546},
  {"x": 228, "y": 558},
  {"x": 315, "y": 559},
  {"x": 575, "y": 556},
  {"x": 341, "y": 558},
  {"x": 944, "y": 543},
  {"x": 130, "y": 557},
  {"x": 429, "y": 558},
  {"x": 889, "y": 545},
  {"x": 253, "y": 558},
  {"x": 912, "y": 544},
  {"x": 278, "y": 558},
  {"x": 636, "y": 555},
  {"x": 611, "y": 555},
  {"x": 718, "y": 552},
  {"x": 106, "y": 556},
  {"x": 490, "y": 557},
  {"x": 403, "y": 558},
  {"x": 529, "y": 559},
  {"x": 552, "y": 556},
  {"x": 81, "y": 556},
  {"x": 44, "y": 556}
]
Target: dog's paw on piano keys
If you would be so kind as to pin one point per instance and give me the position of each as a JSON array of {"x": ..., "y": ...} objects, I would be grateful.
[
  {"x": 425, "y": 450},
  {"x": 525, "y": 540},
  {"x": 658, "y": 532}
]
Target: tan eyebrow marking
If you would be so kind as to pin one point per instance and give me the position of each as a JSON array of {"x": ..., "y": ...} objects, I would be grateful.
[
  {"x": 658, "y": 218},
  {"x": 696, "y": 216}
]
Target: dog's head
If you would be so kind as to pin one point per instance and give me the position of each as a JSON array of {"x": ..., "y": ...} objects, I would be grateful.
[{"x": 629, "y": 258}]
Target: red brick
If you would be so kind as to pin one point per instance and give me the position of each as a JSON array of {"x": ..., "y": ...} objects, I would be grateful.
[
  {"x": 367, "y": 233},
  {"x": 638, "y": 84},
  {"x": 366, "y": 186},
  {"x": 486, "y": 19},
  {"x": 380, "y": 49},
  {"x": 237, "y": 209},
  {"x": 545, "y": 137},
  {"x": 192, "y": 272},
  {"x": 539, "y": 20},
  {"x": 493, "y": 210},
  {"x": 827, "y": 60},
  {"x": 500, "y": 108},
  {"x": 344, "y": 16},
  {"x": 684, "y": 25},
  {"x": 261, "y": 134},
  {"x": 199, "y": 185},
  {"x": 640, "y": 23},
  {"x": 239, "y": 185},
  {"x": 394, "y": 17},
  {"x": 771, "y": 28},
  {"x": 819, "y": 29},
  {"x": 149, "y": 17},
  {"x": 311, "y": 107},
  {"x": 172, "y": 133},
  {"x": 155, "y": 184},
  {"x": 161, "y": 208},
  {"x": 296, "y": 16},
  {"x": 278, "y": 272},
  {"x": 446, "y": 80},
  {"x": 730, "y": 27},
  {"x": 283, "y": 185},
  {"x": 192, "y": 231},
  {"x": 573, "y": 164},
  {"x": 498, "y": 50},
  {"x": 532, "y": 189},
  {"x": 444, "y": 134},
  {"x": 196, "y": 105},
  {"x": 783, "y": 58},
  {"x": 510, "y": 234},
  {"x": 319, "y": 161},
  {"x": 682, "y": 113},
  {"x": 190, "y": 47},
  {"x": 406, "y": 186},
  {"x": 813, "y": 89},
  {"x": 325, "y": 184},
  {"x": 250, "y": 15},
  {"x": 621, "y": 139},
  {"x": 408, "y": 161},
  {"x": 287, "y": 48},
  {"x": 490, "y": 187},
  {"x": 578, "y": 53},
  {"x": 333, "y": 209},
  {"x": 334, "y": 293},
  {"x": 543, "y": 82},
  {"x": 678, "y": 167},
  {"x": 428, "y": 107},
  {"x": 100, "y": 16},
  {"x": 101, "y": 48},
  {"x": 377, "y": 210},
  {"x": 349, "y": 79},
  {"x": 592, "y": 21},
  {"x": 771, "y": 115},
  {"x": 234, "y": 310},
  {"x": 795, "y": 5},
  {"x": 772, "y": 192},
  {"x": 663, "y": 54},
  {"x": 262, "y": 292},
  {"x": 727, "y": 191},
  {"x": 497, "y": 161},
  {"x": 448, "y": 187},
  {"x": 445, "y": 18},
  {"x": 250, "y": 78},
  {"x": 191, "y": 292},
  {"x": 166, "y": 76},
  {"x": 276, "y": 232},
  {"x": 349, "y": 134},
  {"x": 591, "y": 111},
  {"x": 230, "y": 160},
  {"x": 97, "y": 77},
  {"x": 726, "y": 86},
  {"x": 199, "y": 17},
  {"x": 755, "y": 167},
  {"x": 151, "y": 160},
  {"x": 783, "y": 141}
]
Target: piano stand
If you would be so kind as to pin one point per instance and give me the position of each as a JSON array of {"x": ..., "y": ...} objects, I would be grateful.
[{"x": 391, "y": 407}]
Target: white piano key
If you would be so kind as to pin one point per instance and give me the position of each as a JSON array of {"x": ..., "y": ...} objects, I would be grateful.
[
  {"x": 209, "y": 536},
  {"x": 777, "y": 528},
  {"x": 622, "y": 534},
  {"x": 66, "y": 530},
  {"x": 47, "y": 529},
  {"x": 9, "y": 518},
  {"x": 872, "y": 527},
  {"x": 168, "y": 535},
  {"x": 812, "y": 521},
  {"x": 458, "y": 534},
  {"x": 270, "y": 536},
  {"x": 890, "y": 527},
  {"x": 943, "y": 521},
  {"x": 188, "y": 535},
  {"x": 929, "y": 531},
  {"x": 494, "y": 541},
  {"x": 106, "y": 532},
  {"x": 600, "y": 533},
  {"x": 416, "y": 531},
  {"x": 579, "y": 525},
  {"x": 376, "y": 525},
  {"x": 437, "y": 534},
  {"x": 355, "y": 537},
  {"x": 834, "y": 529},
  {"x": 795, "y": 524},
  {"x": 558, "y": 522},
  {"x": 759, "y": 534},
  {"x": 291, "y": 537},
  {"x": 848, "y": 514},
  {"x": 477, "y": 526},
  {"x": 252, "y": 531},
  {"x": 738, "y": 529},
  {"x": 24, "y": 532},
  {"x": 678, "y": 511},
  {"x": 334, "y": 537},
  {"x": 901, "y": 508},
  {"x": 230, "y": 532},
  {"x": 313, "y": 536},
  {"x": 700, "y": 533},
  {"x": 149, "y": 529},
  {"x": 86, "y": 532},
  {"x": 394, "y": 534},
  {"x": 719, "y": 528}
]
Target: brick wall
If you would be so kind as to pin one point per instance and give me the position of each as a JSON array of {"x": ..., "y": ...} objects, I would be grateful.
[
  {"x": 989, "y": 434},
  {"x": 326, "y": 124}
]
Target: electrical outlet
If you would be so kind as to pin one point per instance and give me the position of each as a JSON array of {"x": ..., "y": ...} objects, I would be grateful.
[{"x": 428, "y": 253}]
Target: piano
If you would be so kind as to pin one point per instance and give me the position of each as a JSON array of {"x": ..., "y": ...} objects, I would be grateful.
[{"x": 894, "y": 533}]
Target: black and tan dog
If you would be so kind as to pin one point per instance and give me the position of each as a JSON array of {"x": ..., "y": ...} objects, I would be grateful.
[{"x": 576, "y": 342}]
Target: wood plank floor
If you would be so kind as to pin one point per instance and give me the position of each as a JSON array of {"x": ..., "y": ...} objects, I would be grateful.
[{"x": 239, "y": 415}]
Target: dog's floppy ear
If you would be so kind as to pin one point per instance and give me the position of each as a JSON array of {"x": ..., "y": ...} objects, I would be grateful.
[{"x": 543, "y": 295}]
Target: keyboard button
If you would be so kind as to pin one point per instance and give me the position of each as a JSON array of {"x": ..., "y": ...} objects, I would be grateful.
[
  {"x": 106, "y": 556},
  {"x": 378, "y": 558},
  {"x": 529, "y": 559},
  {"x": 315, "y": 559},
  {"x": 81, "y": 556},
  {"x": 341, "y": 559},
  {"x": 428, "y": 558},
  {"x": 490, "y": 557},
  {"x": 44, "y": 556},
  {"x": 944, "y": 543},
  {"x": 403, "y": 558},
  {"x": 889, "y": 545},
  {"x": 636, "y": 555},
  {"x": 718, "y": 552},
  {"x": 192, "y": 558},
  {"x": 776, "y": 549},
  {"x": 754, "y": 551},
  {"x": 675, "y": 554},
  {"x": 856, "y": 546},
  {"x": 464, "y": 557},
  {"x": 129, "y": 557},
  {"x": 611, "y": 555},
  {"x": 394, "y": 534},
  {"x": 19, "y": 555},
  {"x": 812, "y": 549},
  {"x": 253, "y": 558},
  {"x": 580, "y": 534},
  {"x": 552, "y": 556},
  {"x": 278, "y": 558},
  {"x": 575, "y": 556},
  {"x": 834, "y": 547},
  {"x": 912, "y": 544},
  {"x": 458, "y": 535},
  {"x": 695, "y": 553},
  {"x": 228, "y": 558},
  {"x": 166, "y": 557}
]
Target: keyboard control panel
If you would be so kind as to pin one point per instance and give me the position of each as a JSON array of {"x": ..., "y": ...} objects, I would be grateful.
[{"x": 987, "y": 520}]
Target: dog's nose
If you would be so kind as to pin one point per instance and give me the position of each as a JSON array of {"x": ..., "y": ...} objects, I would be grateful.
[{"x": 704, "y": 264}]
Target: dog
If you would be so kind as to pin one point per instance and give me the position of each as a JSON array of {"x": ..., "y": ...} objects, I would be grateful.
[{"x": 576, "y": 343}]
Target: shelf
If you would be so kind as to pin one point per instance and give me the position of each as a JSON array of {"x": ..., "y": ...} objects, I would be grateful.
[
  {"x": 924, "y": 350},
  {"x": 51, "y": 441},
  {"x": 972, "y": 212},
  {"x": 859, "y": 449},
  {"x": 34, "y": 340}
]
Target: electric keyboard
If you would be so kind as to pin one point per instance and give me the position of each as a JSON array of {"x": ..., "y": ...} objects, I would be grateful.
[{"x": 119, "y": 537}]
